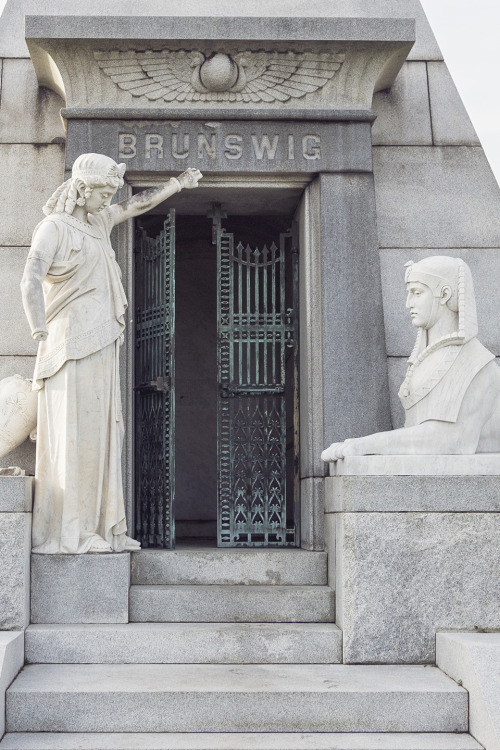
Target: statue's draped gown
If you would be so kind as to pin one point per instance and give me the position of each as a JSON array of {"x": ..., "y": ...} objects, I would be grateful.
[{"x": 78, "y": 480}]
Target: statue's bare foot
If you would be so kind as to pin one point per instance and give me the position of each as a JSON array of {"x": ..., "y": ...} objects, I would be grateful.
[
  {"x": 131, "y": 545},
  {"x": 100, "y": 545}
]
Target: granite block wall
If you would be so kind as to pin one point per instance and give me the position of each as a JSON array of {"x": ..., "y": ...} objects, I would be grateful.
[{"x": 31, "y": 165}]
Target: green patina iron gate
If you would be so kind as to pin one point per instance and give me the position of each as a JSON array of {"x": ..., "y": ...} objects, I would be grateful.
[
  {"x": 257, "y": 327},
  {"x": 257, "y": 429},
  {"x": 155, "y": 383}
]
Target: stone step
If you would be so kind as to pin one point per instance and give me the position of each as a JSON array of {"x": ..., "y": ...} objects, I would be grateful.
[
  {"x": 231, "y": 604},
  {"x": 243, "y": 741},
  {"x": 185, "y": 643},
  {"x": 205, "y": 566},
  {"x": 243, "y": 698}
]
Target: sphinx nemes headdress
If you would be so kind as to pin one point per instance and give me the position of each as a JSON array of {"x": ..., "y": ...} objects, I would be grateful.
[{"x": 436, "y": 272}]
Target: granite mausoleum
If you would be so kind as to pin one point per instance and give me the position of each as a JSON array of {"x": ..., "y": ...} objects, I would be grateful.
[{"x": 271, "y": 606}]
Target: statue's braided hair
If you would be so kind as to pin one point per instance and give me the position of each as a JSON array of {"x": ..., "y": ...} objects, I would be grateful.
[{"x": 89, "y": 171}]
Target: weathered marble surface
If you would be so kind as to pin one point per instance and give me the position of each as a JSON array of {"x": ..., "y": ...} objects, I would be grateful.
[
  {"x": 23, "y": 455},
  {"x": 20, "y": 95},
  {"x": 451, "y": 125},
  {"x": 201, "y": 603},
  {"x": 16, "y": 494},
  {"x": 11, "y": 662},
  {"x": 12, "y": 38},
  {"x": 99, "y": 586},
  {"x": 15, "y": 338},
  {"x": 35, "y": 167},
  {"x": 402, "y": 576},
  {"x": 312, "y": 533},
  {"x": 478, "y": 464},
  {"x": 70, "y": 42},
  {"x": 473, "y": 660},
  {"x": 435, "y": 197},
  {"x": 355, "y": 391},
  {"x": 403, "y": 112},
  {"x": 18, "y": 412},
  {"x": 229, "y": 566},
  {"x": 363, "y": 493},
  {"x": 185, "y": 643},
  {"x": 221, "y": 698},
  {"x": 15, "y": 545},
  {"x": 246, "y": 741}
]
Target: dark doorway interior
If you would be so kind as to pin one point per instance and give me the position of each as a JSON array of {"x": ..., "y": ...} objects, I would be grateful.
[{"x": 196, "y": 372}]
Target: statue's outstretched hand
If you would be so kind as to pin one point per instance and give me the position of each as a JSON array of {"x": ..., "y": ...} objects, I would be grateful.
[{"x": 190, "y": 178}]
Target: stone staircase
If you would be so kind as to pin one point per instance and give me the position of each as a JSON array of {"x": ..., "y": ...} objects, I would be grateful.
[{"x": 225, "y": 650}]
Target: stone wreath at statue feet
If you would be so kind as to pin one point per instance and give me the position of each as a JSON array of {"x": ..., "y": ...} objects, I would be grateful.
[
  {"x": 75, "y": 304},
  {"x": 451, "y": 392}
]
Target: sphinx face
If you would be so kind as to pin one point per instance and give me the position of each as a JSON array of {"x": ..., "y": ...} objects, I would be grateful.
[{"x": 421, "y": 303}]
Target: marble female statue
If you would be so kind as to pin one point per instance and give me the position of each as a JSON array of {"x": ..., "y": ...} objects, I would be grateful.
[
  {"x": 75, "y": 304},
  {"x": 451, "y": 392}
]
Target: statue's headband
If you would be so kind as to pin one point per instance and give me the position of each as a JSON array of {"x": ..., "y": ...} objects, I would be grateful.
[
  {"x": 116, "y": 171},
  {"x": 435, "y": 283},
  {"x": 98, "y": 169},
  {"x": 455, "y": 274}
]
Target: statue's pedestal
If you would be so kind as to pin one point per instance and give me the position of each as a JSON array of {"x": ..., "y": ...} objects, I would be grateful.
[
  {"x": 90, "y": 588},
  {"x": 414, "y": 554},
  {"x": 480, "y": 464},
  {"x": 16, "y": 493}
]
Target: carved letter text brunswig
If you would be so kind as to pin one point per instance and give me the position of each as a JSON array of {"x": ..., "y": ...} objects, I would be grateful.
[{"x": 233, "y": 146}]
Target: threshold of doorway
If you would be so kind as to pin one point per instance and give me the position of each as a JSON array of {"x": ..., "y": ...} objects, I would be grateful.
[{"x": 199, "y": 542}]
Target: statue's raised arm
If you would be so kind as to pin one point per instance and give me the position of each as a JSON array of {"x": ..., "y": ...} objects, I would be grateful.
[
  {"x": 451, "y": 392},
  {"x": 147, "y": 199}
]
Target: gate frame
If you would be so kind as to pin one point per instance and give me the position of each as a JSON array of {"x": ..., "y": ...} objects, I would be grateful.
[{"x": 307, "y": 215}]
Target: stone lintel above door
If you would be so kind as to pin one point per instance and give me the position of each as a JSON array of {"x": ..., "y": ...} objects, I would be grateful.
[
  {"x": 224, "y": 147},
  {"x": 302, "y": 68}
]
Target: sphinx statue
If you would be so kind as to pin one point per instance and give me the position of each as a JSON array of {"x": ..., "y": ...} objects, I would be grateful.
[{"x": 451, "y": 392}]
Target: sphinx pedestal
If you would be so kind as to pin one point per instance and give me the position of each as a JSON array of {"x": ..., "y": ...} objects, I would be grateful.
[{"x": 415, "y": 554}]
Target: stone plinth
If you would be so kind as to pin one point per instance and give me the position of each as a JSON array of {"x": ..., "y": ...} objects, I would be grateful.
[
  {"x": 80, "y": 588},
  {"x": 428, "y": 494},
  {"x": 473, "y": 660},
  {"x": 479, "y": 464},
  {"x": 11, "y": 662},
  {"x": 16, "y": 494},
  {"x": 15, "y": 544},
  {"x": 414, "y": 554}
]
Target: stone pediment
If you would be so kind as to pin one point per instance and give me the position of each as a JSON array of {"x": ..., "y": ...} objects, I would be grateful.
[{"x": 240, "y": 64}]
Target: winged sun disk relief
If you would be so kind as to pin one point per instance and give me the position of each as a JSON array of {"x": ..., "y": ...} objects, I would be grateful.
[{"x": 193, "y": 76}]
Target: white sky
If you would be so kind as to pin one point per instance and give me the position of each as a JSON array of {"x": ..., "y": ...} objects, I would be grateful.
[{"x": 467, "y": 32}]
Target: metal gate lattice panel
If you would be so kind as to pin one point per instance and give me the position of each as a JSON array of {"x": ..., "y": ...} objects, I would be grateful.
[
  {"x": 254, "y": 330},
  {"x": 154, "y": 389}
]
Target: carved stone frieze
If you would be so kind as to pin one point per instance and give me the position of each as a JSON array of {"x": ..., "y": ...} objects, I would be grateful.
[{"x": 194, "y": 76}]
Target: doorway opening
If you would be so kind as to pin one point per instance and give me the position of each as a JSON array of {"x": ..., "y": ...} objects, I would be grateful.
[{"x": 224, "y": 394}]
